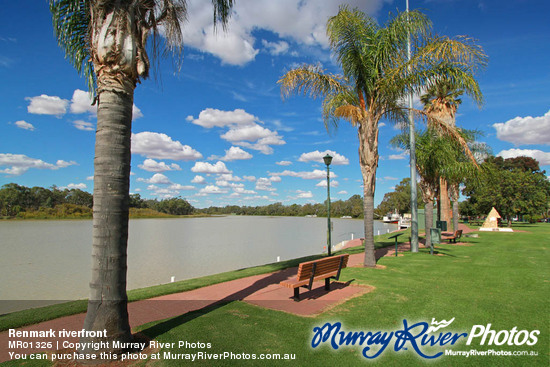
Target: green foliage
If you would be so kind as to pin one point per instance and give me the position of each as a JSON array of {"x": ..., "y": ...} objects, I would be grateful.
[
  {"x": 513, "y": 186},
  {"x": 38, "y": 202},
  {"x": 352, "y": 207},
  {"x": 399, "y": 199}
]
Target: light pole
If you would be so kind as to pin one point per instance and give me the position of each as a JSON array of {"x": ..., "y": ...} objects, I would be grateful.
[
  {"x": 328, "y": 161},
  {"x": 412, "y": 143}
]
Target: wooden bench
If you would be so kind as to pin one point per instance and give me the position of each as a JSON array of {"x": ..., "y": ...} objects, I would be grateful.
[
  {"x": 456, "y": 236},
  {"x": 326, "y": 268}
]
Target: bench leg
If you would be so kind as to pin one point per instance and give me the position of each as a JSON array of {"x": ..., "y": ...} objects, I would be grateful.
[
  {"x": 327, "y": 284},
  {"x": 296, "y": 294}
]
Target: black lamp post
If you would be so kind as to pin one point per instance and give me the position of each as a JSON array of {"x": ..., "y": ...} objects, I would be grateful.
[{"x": 328, "y": 161}]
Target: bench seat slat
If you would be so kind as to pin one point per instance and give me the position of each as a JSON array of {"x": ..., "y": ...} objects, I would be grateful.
[{"x": 298, "y": 283}]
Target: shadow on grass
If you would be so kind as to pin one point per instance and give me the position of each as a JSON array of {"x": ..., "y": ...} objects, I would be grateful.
[{"x": 207, "y": 306}]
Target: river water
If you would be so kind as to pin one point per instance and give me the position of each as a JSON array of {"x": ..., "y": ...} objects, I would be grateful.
[{"x": 50, "y": 260}]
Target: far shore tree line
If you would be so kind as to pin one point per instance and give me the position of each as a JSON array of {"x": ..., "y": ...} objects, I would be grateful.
[{"x": 516, "y": 187}]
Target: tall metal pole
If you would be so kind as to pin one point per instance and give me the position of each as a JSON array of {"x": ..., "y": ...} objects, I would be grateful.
[
  {"x": 328, "y": 211},
  {"x": 412, "y": 143},
  {"x": 328, "y": 159}
]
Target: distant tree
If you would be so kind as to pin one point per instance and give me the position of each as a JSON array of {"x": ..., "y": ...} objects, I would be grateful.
[
  {"x": 175, "y": 206},
  {"x": 79, "y": 197},
  {"x": 513, "y": 186},
  {"x": 136, "y": 201},
  {"x": 399, "y": 199}
]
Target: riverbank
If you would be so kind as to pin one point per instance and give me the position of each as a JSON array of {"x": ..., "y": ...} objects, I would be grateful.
[{"x": 135, "y": 213}]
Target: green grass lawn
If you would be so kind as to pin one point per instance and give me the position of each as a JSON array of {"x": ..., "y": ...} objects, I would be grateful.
[{"x": 502, "y": 279}]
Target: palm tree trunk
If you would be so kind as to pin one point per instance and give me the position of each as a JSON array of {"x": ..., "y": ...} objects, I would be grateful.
[
  {"x": 454, "y": 194},
  {"x": 107, "y": 305},
  {"x": 445, "y": 202},
  {"x": 428, "y": 221},
  {"x": 368, "y": 159}
]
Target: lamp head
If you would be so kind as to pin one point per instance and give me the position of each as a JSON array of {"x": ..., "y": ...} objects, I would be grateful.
[{"x": 327, "y": 159}]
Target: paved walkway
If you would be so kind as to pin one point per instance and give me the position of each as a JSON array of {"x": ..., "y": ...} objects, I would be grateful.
[{"x": 261, "y": 290}]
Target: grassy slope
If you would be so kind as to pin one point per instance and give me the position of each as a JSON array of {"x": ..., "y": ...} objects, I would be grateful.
[{"x": 501, "y": 279}]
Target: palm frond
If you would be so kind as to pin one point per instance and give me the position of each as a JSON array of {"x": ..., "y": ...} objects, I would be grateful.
[
  {"x": 350, "y": 34},
  {"x": 311, "y": 80},
  {"x": 351, "y": 113},
  {"x": 71, "y": 20},
  {"x": 222, "y": 11},
  {"x": 333, "y": 102}
]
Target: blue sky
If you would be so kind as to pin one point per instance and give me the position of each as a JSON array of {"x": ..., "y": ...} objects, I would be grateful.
[{"x": 218, "y": 132}]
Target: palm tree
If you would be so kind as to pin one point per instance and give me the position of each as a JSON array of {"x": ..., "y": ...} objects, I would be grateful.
[
  {"x": 376, "y": 76},
  {"x": 441, "y": 101},
  {"x": 105, "y": 40},
  {"x": 440, "y": 158}
]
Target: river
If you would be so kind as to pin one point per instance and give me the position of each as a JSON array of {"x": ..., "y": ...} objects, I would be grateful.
[{"x": 45, "y": 261}]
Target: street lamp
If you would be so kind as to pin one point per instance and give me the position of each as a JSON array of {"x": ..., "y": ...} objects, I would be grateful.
[{"x": 328, "y": 161}]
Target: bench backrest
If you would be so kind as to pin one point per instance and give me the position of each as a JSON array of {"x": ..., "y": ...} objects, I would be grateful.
[{"x": 324, "y": 266}]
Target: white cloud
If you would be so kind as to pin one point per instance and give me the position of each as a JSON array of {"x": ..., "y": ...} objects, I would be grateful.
[
  {"x": 254, "y": 137},
  {"x": 542, "y": 157},
  {"x": 323, "y": 183},
  {"x": 275, "y": 179},
  {"x": 90, "y": 178},
  {"x": 181, "y": 187},
  {"x": 317, "y": 156},
  {"x": 240, "y": 190},
  {"x": 204, "y": 167},
  {"x": 211, "y": 189},
  {"x": 264, "y": 184},
  {"x": 153, "y": 166},
  {"x": 211, "y": 117},
  {"x": 316, "y": 174},
  {"x": 343, "y": 192},
  {"x": 229, "y": 177},
  {"x": 300, "y": 21},
  {"x": 398, "y": 156},
  {"x": 276, "y": 48},
  {"x": 24, "y": 125},
  {"x": 236, "y": 153},
  {"x": 47, "y": 105},
  {"x": 62, "y": 164},
  {"x": 83, "y": 125},
  {"x": 82, "y": 103},
  {"x": 157, "y": 178},
  {"x": 19, "y": 163},
  {"x": 199, "y": 180},
  {"x": 243, "y": 129},
  {"x": 525, "y": 130},
  {"x": 80, "y": 186},
  {"x": 304, "y": 194},
  {"x": 161, "y": 146},
  {"x": 136, "y": 112},
  {"x": 284, "y": 163},
  {"x": 249, "y": 178}
]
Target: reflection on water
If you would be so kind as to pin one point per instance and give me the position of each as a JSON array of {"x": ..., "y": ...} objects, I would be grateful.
[{"x": 50, "y": 260}]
